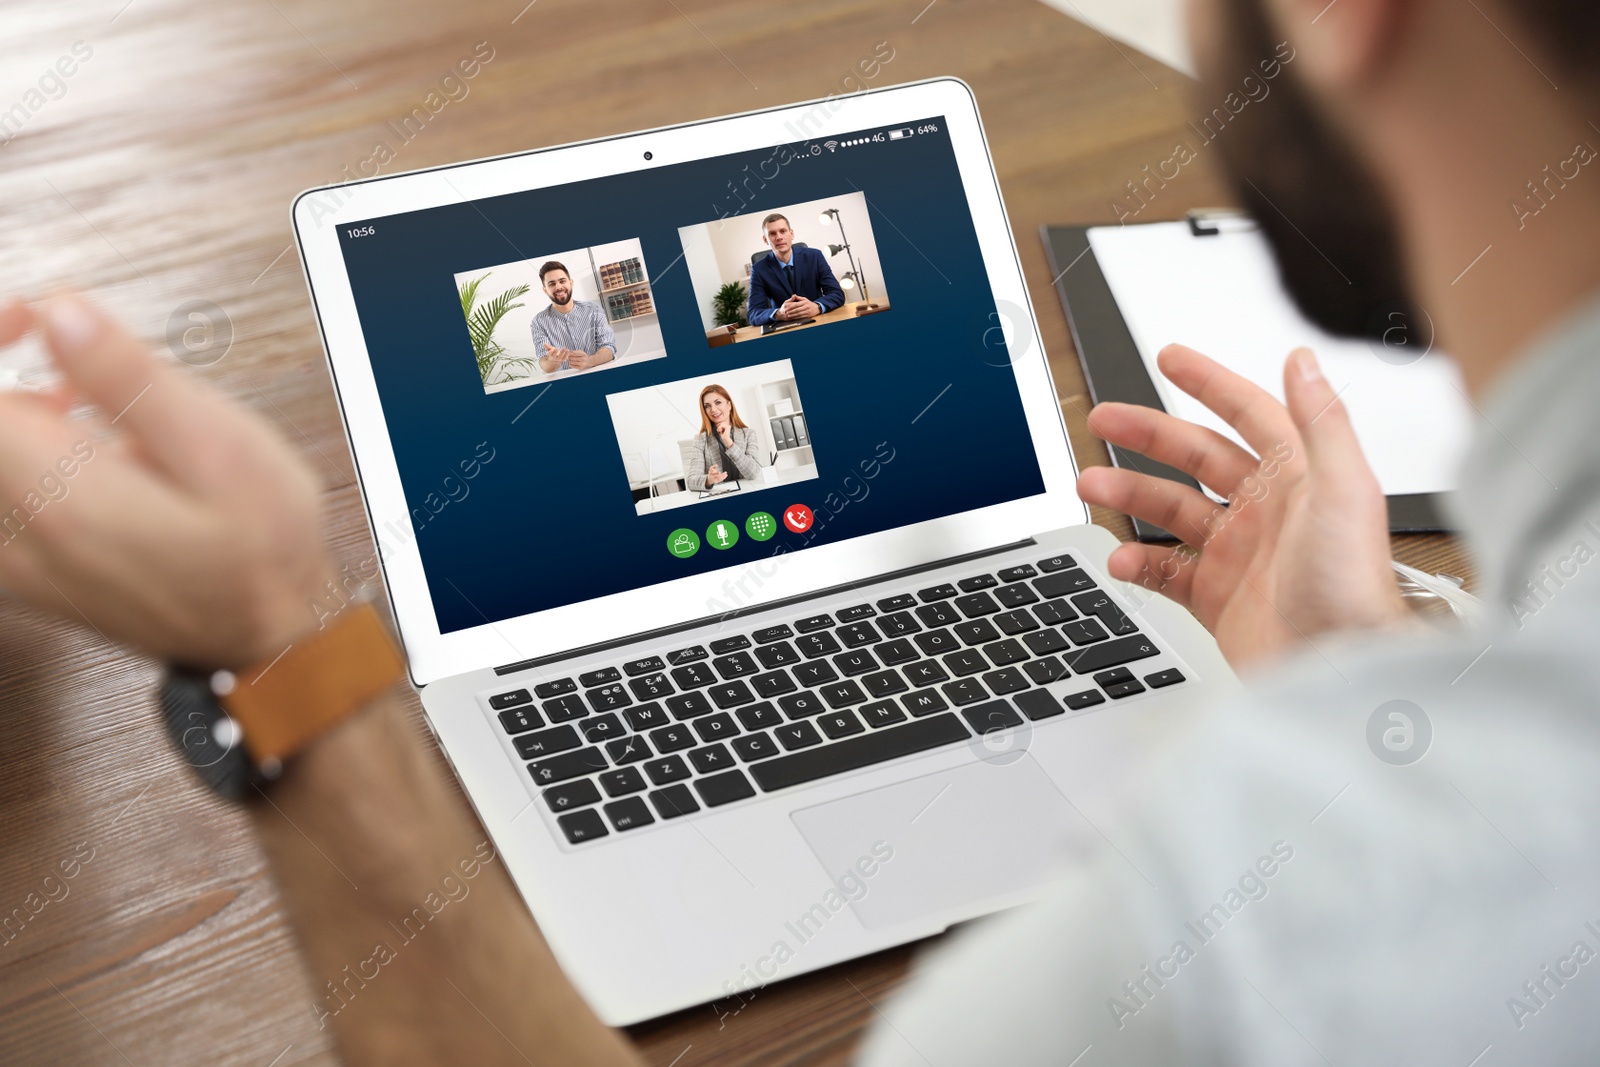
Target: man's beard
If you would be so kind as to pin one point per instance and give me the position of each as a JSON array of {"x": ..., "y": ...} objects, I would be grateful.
[
  {"x": 561, "y": 299},
  {"x": 1319, "y": 206}
]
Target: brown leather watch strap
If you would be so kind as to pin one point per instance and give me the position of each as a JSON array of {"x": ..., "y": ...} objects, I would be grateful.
[{"x": 318, "y": 682}]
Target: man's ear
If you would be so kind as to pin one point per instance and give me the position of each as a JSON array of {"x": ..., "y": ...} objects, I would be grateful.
[{"x": 1342, "y": 43}]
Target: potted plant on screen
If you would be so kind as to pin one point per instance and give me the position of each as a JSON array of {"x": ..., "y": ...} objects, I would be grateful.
[
  {"x": 493, "y": 360},
  {"x": 728, "y": 305}
]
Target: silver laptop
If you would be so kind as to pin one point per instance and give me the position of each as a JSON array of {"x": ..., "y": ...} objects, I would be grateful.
[{"x": 724, "y": 502}]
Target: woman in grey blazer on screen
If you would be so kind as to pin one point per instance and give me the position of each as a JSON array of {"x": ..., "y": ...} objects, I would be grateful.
[{"x": 724, "y": 449}]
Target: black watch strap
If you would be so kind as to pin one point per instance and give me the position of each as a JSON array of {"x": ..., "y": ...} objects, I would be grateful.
[{"x": 208, "y": 739}]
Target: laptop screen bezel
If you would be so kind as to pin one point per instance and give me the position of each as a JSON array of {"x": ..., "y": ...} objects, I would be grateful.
[{"x": 317, "y": 214}]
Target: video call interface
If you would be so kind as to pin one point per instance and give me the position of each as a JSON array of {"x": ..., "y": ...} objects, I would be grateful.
[{"x": 602, "y": 385}]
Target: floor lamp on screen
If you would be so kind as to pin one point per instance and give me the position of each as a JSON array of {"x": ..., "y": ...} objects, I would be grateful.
[{"x": 830, "y": 217}]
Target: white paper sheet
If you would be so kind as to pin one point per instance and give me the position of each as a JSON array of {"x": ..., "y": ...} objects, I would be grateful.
[
  {"x": 1155, "y": 27},
  {"x": 1221, "y": 295}
]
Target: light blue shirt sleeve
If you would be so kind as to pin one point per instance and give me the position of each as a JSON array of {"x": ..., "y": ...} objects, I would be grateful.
[
  {"x": 540, "y": 338},
  {"x": 602, "y": 334}
]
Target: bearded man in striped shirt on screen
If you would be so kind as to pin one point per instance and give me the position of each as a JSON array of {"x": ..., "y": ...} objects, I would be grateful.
[{"x": 570, "y": 334}]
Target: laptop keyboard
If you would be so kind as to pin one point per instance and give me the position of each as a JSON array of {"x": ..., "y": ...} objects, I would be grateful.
[{"x": 661, "y": 737}]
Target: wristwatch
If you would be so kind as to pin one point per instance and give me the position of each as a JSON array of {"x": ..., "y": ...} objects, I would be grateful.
[{"x": 236, "y": 729}]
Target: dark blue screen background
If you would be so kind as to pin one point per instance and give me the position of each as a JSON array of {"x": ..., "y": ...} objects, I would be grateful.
[{"x": 549, "y": 520}]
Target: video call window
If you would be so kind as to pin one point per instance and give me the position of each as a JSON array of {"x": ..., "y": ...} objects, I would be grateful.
[
  {"x": 560, "y": 315},
  {"x": 790, "y": 267},
  {"x": 718, "y": 433}
]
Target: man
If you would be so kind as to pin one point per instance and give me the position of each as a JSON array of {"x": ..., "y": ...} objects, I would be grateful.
[
  {"x": 790, "y": 284},
  {"x": 1388, "y": 854},
  {"x": 570, "y": 334},
  {"x": 1282, "y": 886}
]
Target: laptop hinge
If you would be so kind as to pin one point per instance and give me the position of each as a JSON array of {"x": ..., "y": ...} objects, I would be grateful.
[{"x": 733, "y": 613}]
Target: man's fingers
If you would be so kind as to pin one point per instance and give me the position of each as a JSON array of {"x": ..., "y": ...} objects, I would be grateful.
[
  {"x": 1332, "y": 449},
  {"x": 1202, "y": 453},
  {"x": 1248, "y": 408},
  {"x": 59, "y": 398},
  {"x": 34, "y": 440},
  {"x": 36, "y": 437},
  {"x": 16, "y": 319},
  {"x": 163, "y": 410},
  {"x": 1168, "y": 571},
  {"x": 1181, "y": 511}
]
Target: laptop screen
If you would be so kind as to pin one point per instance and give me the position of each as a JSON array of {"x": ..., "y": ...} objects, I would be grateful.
[{"x": 598, "y": 386}]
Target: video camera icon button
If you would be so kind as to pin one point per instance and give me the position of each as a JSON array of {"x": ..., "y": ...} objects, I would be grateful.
[{"x": 683, "y": 543}]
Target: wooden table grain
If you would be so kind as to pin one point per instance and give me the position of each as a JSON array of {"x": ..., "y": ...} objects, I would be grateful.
[
  {"x": 149, "y": 150},
  {"x": 849, "y": 310}
]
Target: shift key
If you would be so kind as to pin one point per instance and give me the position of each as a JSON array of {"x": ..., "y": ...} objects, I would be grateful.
[
  {"x": 567, "y": 765},
  {"x": 1109, "y": 654}
]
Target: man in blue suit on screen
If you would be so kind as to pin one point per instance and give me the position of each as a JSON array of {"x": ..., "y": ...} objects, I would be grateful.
[{"x": 790, "y": 283}]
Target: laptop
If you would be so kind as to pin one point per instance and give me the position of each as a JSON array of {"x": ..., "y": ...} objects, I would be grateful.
[{"x": 721, "y": 739}]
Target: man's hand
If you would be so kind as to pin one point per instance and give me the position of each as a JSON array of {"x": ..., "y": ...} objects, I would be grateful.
[
  {"x": 1303, "y": 546},
  {"x": 715, "y": 475},
  {"x": 798, "y": 307},
  {"x": 193, "y": 533},
  {"x": 583, "y": 360},
  {"x": 552, "y": 359}
]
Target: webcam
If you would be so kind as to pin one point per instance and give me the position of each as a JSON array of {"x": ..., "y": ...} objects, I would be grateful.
[{"x": 649, "y": 155}]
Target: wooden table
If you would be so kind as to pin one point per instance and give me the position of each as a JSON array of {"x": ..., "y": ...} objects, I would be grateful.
[
  {"x": 160, "y": 173},
  {"x": 852, "y": 310}
]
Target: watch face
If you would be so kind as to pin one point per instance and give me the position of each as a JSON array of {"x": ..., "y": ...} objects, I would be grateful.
[{"x": 208, "y": 739}]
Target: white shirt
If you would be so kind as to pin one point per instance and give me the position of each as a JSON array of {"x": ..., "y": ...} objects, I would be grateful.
[{"x": 1441, "y": 912}]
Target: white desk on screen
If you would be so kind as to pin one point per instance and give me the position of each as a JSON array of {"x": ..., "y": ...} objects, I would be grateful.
[{"x": 785, "y": 476}]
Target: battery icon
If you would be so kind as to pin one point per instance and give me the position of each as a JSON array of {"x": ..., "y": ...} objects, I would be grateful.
[{"x": 904, "y": 131}]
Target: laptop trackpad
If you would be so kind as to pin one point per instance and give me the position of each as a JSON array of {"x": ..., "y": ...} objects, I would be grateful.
[{"x": 958, "y": 837}]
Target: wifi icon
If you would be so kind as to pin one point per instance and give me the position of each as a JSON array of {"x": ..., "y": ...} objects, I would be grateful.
[{"x": 830, "y": 145}]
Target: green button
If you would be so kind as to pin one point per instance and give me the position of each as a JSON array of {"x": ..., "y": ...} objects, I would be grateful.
[
  {"x": 761, "y": 526},
  {"x": 683, "y": 543},
  {"x": 722, "y": 534}
]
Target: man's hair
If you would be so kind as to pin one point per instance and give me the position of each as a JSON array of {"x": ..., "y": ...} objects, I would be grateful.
[
  {"x": 553, "y": 265},
  {"x": 1568, "y": 32},
  {"x": 774, "y": 217}
]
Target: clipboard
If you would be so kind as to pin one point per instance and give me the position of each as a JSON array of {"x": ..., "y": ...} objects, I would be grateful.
[{"x": 1115, "y": 370}]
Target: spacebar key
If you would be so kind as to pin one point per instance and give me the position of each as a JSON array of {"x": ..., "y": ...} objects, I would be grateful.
[{"x": 862, "y": 751}]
